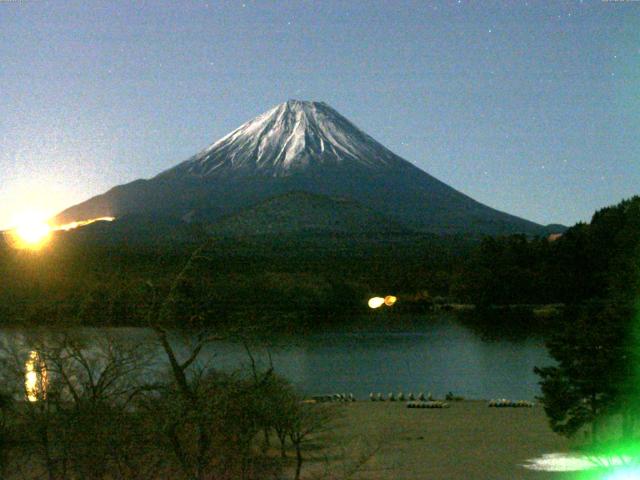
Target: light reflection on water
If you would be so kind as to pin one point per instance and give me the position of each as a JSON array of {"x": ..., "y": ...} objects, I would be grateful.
[
  {"x": 433, "y": 356},
  {"x": 35, "y": 377}
]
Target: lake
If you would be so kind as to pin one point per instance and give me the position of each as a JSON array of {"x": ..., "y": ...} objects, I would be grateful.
[{"x": 437, "y": 355}]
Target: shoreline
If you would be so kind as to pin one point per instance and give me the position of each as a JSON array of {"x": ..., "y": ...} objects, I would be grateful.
[{"x": 468, "y": 440}]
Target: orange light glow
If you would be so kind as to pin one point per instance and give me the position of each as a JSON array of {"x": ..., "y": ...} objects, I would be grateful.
[
  {"x": 377, "y": 302},
  {"x": 82, "y": 223},
  {"x": 31, "y": 231},
  {"x": 35, "y": 378}
]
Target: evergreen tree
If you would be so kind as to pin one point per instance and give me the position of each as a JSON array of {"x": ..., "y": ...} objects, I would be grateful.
[{"x": 596, "y": 376}]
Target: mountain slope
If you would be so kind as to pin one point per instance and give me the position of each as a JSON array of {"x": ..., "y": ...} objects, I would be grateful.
[
  {"x": 304, "y": 147},
  {"x": 301, "y": 212}
]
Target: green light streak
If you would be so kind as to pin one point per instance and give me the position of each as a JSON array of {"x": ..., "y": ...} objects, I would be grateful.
[{"x": 625, "y": 473}]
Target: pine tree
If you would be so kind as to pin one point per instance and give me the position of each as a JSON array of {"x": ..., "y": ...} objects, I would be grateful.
[{"x": 595, "y": 376}]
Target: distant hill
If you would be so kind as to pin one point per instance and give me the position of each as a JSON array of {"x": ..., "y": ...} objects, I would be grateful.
[{"x": 137, "y": 229}]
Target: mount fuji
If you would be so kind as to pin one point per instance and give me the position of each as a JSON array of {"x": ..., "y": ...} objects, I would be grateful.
[{"x": 300, "y": 147}]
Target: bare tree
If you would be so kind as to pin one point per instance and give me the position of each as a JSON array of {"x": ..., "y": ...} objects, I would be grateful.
[
  {"x": 308, "y": 423},
  {"x": 74, "y": 408},
  {"x": 6, "y": 406},
  {"x": 194, "y": 390}
]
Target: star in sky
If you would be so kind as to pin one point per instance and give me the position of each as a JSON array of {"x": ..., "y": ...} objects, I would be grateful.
[{"x": 499, "y": 86}]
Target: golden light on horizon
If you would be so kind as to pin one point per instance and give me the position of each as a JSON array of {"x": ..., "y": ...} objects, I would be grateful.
[
  {"x": 31, "y": 231},
  {"x": 81, "y": 223}
]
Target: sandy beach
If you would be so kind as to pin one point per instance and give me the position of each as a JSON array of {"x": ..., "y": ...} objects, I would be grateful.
[{"x": 469, "y": 440}]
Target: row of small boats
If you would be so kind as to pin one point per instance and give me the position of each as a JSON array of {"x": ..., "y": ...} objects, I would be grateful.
[
  {"x": 503, "y": 402},
  {"x": 419, "y": 401},
  {"x": 400, "y": 397},
  {"x": 429, "y": 404},
  {"x": 334, "y": 397}
]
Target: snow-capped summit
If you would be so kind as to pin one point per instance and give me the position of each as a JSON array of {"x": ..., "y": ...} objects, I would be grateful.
[{"x": 289, "y": 137}]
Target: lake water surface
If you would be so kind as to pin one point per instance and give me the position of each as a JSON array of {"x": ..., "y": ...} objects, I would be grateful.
[{"x": 436, "y": 356}]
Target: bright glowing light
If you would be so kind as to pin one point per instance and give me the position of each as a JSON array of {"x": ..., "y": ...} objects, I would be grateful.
[
  {"x": 70, "y": 226},
  {"x": 376, "y": 302},
  {"x": 35, "y": 378},
  {"x": 565, "y": 462},
  {"x": 624, "y": 474},
  {"x": 389, "y": 300},
  {"x": 559, "y": 462},
  {"x": 31, "y": 231}
]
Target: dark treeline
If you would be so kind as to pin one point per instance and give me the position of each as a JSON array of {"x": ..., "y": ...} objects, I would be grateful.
[
  {"x": 588, "y": 261},
  {"x": 316, "y": 279},
  {"x": 593, "y": 388}
]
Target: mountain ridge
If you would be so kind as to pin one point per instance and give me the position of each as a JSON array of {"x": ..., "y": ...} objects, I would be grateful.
[{"x": 301, "y": 146}]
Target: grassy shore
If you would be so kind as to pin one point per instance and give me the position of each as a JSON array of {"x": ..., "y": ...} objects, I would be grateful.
[{"x": 386, "y": 440}]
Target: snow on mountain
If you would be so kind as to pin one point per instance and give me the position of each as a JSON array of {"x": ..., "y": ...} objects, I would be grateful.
[
  {"x": 300, "y": 146},
  {"x": 290, "y": 137}
]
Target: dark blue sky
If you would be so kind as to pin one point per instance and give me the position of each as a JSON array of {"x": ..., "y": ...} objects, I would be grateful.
[{"x": 530, "y": 107}]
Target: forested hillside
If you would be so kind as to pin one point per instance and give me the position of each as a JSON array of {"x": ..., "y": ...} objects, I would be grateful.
[
  {"x": 588, "y": 261},
  {"x": 311, "y": 278}
]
